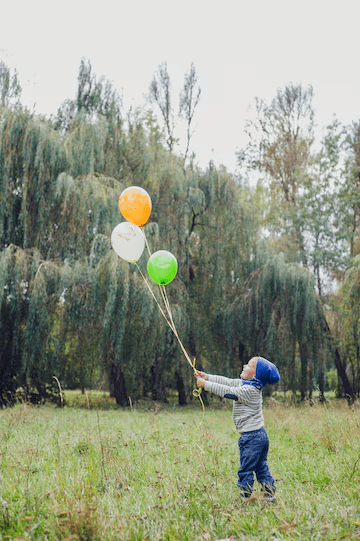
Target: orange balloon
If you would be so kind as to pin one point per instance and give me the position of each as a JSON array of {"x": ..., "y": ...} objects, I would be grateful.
[{"x": 135, "y": 205}]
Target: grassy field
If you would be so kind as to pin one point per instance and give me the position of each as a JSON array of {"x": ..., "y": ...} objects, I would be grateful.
[{"x": 169, "y": 474}]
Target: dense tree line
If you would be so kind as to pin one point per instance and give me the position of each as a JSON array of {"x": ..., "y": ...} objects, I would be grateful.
[{"x": 255, "y": 264}]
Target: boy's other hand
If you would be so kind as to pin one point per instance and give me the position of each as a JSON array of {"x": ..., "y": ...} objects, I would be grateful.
[
  {"x": 199, "y": 374},
  {"x": 200, "y": 382}
]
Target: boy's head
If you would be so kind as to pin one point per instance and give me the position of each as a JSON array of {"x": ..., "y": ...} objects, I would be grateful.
[{"x": 261, "y": 369}]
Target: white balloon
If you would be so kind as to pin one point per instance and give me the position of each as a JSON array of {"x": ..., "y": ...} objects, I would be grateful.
[{"x": 128, "y": 241}]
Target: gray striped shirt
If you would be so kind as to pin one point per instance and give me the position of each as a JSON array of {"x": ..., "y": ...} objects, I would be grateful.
[{"x": 247, "y": 407}]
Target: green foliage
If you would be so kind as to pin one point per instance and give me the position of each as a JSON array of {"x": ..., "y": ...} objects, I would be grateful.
[
  {"x": 349, "y": 188},
  {"x": 275, "y": 314},
  {"x": 98, "y": 313},
  {"x": 83, "y": 208},
  {"x": 70, "y": 308},
  {"x": 347, "y": 321},
  {"x": 95, "y": 97},
  {"x": 10, "y": 88},
  {"x": 31, "y": 158},
  {"x": 25, "y": 308},
  {"x": 312, "y": 200},
  {"x": 85, "y": 145},
  {"x": 280, "y": 141},
  {"x": 332, "y": 379}
]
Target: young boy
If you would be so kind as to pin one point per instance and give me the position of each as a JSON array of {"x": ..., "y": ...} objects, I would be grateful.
[{"x": 249, "y": 421}]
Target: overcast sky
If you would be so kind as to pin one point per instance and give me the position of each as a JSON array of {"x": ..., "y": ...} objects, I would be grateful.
[{"x": 241, "y": 49}]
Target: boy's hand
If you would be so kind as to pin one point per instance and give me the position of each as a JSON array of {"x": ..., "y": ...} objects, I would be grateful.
[
  {"x": 201, "y": 375},
  {"x": 200, "y": 382}
]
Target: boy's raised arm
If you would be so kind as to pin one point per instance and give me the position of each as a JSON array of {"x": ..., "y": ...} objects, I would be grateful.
[{"x": 222, "y": 380}]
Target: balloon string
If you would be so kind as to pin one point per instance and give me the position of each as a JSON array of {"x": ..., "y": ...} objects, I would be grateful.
[
  {"x": 195, "y": 392},
  {"x": 167, "y": 306},
  {"x": 146, "y": 242},
  {"x": 154, "y": 297},
  {"x": 170, "y": 322}
]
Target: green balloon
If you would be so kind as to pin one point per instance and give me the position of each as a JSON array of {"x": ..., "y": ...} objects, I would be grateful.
[{"x": 162, "y": 267}]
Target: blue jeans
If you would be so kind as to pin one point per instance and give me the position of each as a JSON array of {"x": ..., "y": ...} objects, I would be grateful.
[{"x": 254, "y": 447}]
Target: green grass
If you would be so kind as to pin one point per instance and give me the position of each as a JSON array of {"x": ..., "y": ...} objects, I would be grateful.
[{"x": 169, "y": 474}]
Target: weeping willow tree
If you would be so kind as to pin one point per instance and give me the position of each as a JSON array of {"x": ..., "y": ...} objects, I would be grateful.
[
  {"x": 81, "y": 312},
  {"x": 71, "y": 308},
  {"x": 56, "y": 219},
  {"x": 98, "y": 316},
  {"x": 223, "y": 232},
  {"x": 48, "y": 220},
  {"x": 26, "y": 305},
  {"x": 346, "y": 322},
  {"x": 77, "y": 322},
  {"x": 277, "y": 315},
  {"x": 203, "y": 220}
]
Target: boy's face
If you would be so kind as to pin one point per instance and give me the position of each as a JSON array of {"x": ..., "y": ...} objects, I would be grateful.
[{"x": 249, "y": 369}]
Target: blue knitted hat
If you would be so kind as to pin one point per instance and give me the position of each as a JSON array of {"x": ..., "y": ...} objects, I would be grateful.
[{"x": 266, "y": 372}]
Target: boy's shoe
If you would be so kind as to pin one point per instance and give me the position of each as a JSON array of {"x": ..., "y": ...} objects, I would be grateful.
[
  {"x": 268, "y": 492},
  {"x": 269, "y": 497},
  {"x": 245, "y": 495}
]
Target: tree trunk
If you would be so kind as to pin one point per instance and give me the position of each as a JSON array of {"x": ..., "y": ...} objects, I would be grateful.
[
  {"x": 180, "y": 388},
  {"x": 321, "y": 385},
  {"x": 117, "y": 385},
  {"x": 292, "y": 371},
  {"x": 339, "y": 390},
  {"x": 192, "y": 344},
  {"x": 340, "y": 367},
  {"x": 304, "y": 368},
  {"x": 311, "y": 376},
  {"x": 8, "y": 384},
  {"x": 243, "y": 358},
  {"x": 349, "y": 392},
  {"x": 158, "y": 391},
  {"x": 357, "y": 388}
]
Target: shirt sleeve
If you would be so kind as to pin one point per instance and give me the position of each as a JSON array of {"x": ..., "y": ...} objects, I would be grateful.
[
  {"x": 222, "y": 380},
  {"x": 238, "y": 393}
]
